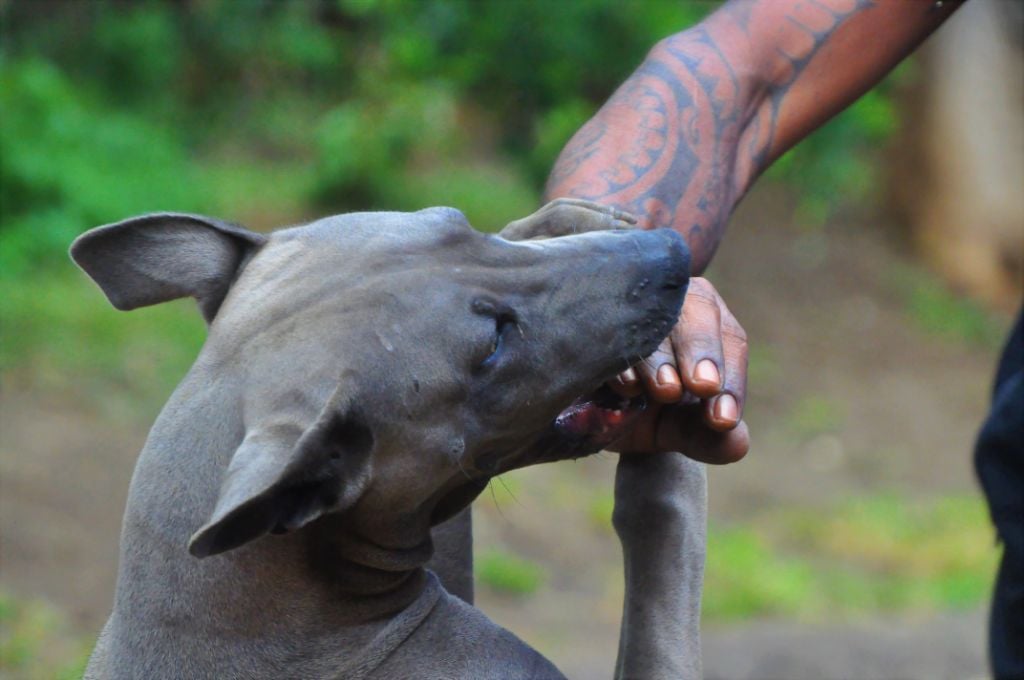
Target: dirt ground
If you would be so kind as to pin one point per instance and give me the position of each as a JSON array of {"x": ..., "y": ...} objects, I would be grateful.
[{"x": 829, "y": 328}]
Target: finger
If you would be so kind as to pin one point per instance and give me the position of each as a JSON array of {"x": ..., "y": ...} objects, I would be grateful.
[
  {"x": 697, "y": 339},
  {"x": 659, "y": 375},
  {"x": 680, "y": 428},
  {"x": 725, "y": 411}
]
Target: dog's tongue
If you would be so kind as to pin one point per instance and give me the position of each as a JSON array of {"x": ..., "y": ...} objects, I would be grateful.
[{"x": 599, "y": 418}]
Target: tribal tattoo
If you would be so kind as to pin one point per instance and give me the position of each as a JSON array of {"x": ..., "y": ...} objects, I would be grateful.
[{"x": 682, "y": 139}]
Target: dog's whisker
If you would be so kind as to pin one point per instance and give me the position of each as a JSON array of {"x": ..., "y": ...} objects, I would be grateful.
[
  {"x": 494, "y": 497},
  {"x": 508, "y": 490}
]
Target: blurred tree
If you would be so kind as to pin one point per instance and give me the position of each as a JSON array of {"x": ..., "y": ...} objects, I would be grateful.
[
  {"x": 960, "y": 165},
  {"x": 110, "y": 106}
]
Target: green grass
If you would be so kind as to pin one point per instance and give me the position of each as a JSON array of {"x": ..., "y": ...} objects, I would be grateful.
[
  {"x": 35, "y": 642},
  {"x": 872, "y": 554},
  {"x": 508, "y": 574}
]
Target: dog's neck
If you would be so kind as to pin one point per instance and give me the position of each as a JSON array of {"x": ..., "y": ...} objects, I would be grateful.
[
  {"x": 370, "y": 579},
  {"x": 320, "y": 578}
]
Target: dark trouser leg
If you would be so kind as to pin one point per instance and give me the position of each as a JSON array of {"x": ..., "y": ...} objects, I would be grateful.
[
  {"x": 1006, "y": 629},
  {"x": 999, "y": 458}
]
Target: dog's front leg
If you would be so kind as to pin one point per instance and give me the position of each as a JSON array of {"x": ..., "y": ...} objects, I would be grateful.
[{"x": 661, "y": 518}]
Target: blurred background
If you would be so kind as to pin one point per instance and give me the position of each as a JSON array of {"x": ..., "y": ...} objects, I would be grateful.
[{"x": 875, "y": 269}]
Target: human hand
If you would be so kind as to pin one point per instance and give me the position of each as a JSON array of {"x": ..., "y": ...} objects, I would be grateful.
[{"x": 695, "y": 382}]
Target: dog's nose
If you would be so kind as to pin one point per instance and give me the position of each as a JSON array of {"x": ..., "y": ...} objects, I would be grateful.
[{"x": 666, "y": 258}]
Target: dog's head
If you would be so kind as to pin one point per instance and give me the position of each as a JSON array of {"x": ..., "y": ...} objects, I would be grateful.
[{"x": 387, "y": 365}]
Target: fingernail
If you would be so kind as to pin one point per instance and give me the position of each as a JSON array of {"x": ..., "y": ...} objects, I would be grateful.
[
  {"x": 706, "y": 371},
  {"x": 667, "y": 375},
  {"x": 725, "y": 408},
  {"x": 627, "y": 377}
]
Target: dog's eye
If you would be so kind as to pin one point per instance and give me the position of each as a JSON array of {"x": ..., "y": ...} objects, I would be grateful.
[
  {"x": 503, "y": 323},
  {"x": 504, "y": 319}
]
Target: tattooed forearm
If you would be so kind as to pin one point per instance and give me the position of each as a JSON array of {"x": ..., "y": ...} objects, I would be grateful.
[
  {"x": 684, "y": 137},
  {"x": 666, "y": 146}
]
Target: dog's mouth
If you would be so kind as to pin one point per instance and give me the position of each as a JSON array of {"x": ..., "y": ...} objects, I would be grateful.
[
  {"x": 588, "y": 425},
  {"x": 596, "y": 420}
]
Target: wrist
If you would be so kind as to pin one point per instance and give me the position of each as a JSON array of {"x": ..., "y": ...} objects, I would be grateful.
[{"x": 720, "y": 86}]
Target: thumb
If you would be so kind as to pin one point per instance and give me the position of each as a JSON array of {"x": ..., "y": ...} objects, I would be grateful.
[{"x": 681, "y": 428}]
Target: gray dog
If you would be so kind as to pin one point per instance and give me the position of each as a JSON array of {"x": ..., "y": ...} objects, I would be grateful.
[{"x": 364, "y": 377}]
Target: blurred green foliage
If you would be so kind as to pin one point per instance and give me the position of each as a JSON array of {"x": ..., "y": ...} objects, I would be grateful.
[
  {"x": 67, "y": 163},
  {"x": 875, "y": 553}
]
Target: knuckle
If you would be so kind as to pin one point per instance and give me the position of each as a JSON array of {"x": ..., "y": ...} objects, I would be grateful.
[
  {"x": 732, "y": 329},
  {"x": 701, "y": 295},
  {"x": 658, "y": 358},
  {"x": 704, "y": 288},
  {"x": 706, "y": 348},
  {"x": 692, "y": 347},
  {"x": 735, "y": 382}
]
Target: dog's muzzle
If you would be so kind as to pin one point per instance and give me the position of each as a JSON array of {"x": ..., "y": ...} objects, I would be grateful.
[{"x": 595, "y": 421}]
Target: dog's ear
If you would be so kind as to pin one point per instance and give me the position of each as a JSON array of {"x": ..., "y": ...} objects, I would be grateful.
[
  {"x": 565, "y": 217},
  {"x": 276, "y": 483},
  {"x": 163, "y": 256}
]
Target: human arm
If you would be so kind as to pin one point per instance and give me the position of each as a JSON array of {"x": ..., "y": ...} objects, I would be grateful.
[
  {"x": 683, "y": 139},
  {"x": 686, "y": 135}
]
